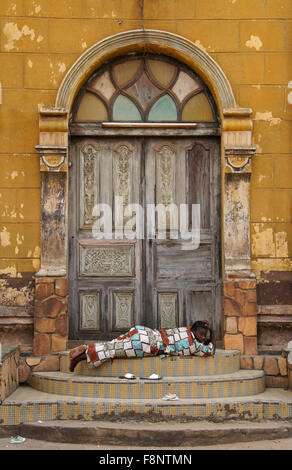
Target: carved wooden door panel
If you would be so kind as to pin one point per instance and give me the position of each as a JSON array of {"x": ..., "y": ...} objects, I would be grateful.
[
  {"x": 105, "y": 274},
  {"x": 159, "y": 282},
  {"x": 183, "y": 283}
]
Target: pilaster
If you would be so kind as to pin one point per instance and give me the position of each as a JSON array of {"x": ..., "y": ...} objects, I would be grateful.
[{"x": 239, "y": 289}]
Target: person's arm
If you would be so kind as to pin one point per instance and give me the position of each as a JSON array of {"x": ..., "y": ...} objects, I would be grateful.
[{"x": 212, "y": 334}]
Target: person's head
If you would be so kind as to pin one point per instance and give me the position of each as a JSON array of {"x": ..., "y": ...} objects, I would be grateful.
[{"x": 201, "y": 331}]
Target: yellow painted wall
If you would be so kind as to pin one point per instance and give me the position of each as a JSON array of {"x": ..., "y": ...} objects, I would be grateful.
[{"x": 250, "y": 39}]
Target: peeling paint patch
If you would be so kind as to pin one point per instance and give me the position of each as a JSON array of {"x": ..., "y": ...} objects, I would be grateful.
[
  {"x": 62, "y": 67},
  {"x": 263, "y": 241},
  {"x": 19, "y": 239},
  {"x": 255, "y": 42},
  {"x": 261, "y": 178},
  {"x": 259, "y": 148},
  {"x": 84, "y": 45},
  {"x": 12, "y": 8},
  {"x": 13, "y": 34},
  {"x": 198, "y": 43},
  {"x": 290, "y": 93},
  {"x": 17, "y": 296},
  {"x": 14, "y": 174},
  {"x": 267, "y": 243},
  {"x": 113, "y": 15},
  {"x": 5, "y": 238},
  {"x": 267, "y": 116},
  {"x": 36, "y": 264},
  {"x": 37, "y": 9},
  {"x": 30, "y": 64},
  {"x": 55, "y": 69},
  {"x": 12, "y": 214},
  {"x": 37, "y": 252},
  {"x": 40, "y": 38},
  {"x": 266, "y": 265},
  {"x": 10, "y": 271},
  {"x": 281, "y": 245}
]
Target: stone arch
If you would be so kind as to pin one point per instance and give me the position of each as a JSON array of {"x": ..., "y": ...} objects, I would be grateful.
[{"x": 147, "y": 40}]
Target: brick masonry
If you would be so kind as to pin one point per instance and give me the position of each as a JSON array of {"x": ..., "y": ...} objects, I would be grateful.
[{"x": 51, "y": 316}]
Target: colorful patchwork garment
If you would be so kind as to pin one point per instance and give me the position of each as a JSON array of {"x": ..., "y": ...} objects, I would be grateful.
[{"x": 141, "y": 341}]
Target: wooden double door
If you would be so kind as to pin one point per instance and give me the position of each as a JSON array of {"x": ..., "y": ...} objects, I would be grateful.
[{"x": 148, "y": 276}]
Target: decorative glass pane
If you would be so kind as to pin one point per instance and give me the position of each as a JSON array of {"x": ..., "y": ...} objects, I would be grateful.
[
  {"x": 184, "y": 85},
  {"x": 104, "y": 85},
  {"x": 140, "y": 88},
  {"x": 163, "y": 110},
  {"x": 143, "y": 90},
  {"x": 125, "y": 72},
  {"x": 162, "y": 72},
  {"x": 91, "y": 109},
  {"x": 198, "y": 109},
  {"x": 125, "y": 110}
]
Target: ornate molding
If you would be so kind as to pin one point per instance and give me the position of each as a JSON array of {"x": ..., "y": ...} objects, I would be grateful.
[
  {"x": 52, "y": 158},
  {"x": 107, "y": 261},
  {"x": 238, "y": 159},
  {"x": 89, "y": 310},
  {"x": 165, "y": 174},
  {"x": 123, "y": 309},
  {"x": 140, "y": 39}
]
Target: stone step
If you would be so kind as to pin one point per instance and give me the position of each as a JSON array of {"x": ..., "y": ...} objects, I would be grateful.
[
  {"x": 151, "y": 434},
  {"x": 224, "y": 362},
  {"x": 241, "y": 383},
  {"x": 30, "y": 405}
]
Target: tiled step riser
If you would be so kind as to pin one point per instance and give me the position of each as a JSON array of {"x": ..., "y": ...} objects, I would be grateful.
[
  {"x": 16, "y": 414},
  {"x": 142, "y": 390},
  {"x": 168, "y": 367}
]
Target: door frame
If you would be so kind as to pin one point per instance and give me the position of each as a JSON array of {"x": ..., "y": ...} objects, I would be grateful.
[{"x": 236, "y": 156}]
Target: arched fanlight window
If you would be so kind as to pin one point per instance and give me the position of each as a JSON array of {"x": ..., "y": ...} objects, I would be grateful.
[{"x": 144, "y": 89}]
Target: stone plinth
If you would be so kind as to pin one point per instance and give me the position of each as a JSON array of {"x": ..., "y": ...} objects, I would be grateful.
[
  {"x": 9, "y": 377},
  {"x": 240, "y": 315},
  {"x": 51, "y": 316}
]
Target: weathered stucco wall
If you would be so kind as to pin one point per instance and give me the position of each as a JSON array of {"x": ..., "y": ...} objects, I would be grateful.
[{"x": 40, "y": 40}]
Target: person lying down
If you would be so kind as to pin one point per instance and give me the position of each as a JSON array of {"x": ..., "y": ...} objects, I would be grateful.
[{"x": 141, "y": 341}]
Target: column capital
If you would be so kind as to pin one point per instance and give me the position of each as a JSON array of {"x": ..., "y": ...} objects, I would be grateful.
[
  {"x": 238, "y": 159},
  {"x": 53, "y": 140},
  {"x": 52, "y": 157}
]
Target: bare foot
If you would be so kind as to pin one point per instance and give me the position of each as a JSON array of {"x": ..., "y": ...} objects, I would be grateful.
[{"x": 77, "y": 351}]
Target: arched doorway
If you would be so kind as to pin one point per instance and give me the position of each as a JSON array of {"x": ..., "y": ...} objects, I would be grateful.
[
  {"x": 236, "y": 158},
  {"x": 144, "y": 130}
]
